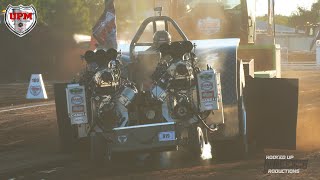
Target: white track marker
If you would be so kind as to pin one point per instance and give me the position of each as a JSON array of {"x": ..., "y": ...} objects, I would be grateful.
[
  {"x": 25, "y": 107},
  {"x": 36, "y": 88}
]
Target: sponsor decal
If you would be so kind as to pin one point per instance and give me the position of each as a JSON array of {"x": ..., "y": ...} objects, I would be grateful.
[
  {"x": 209, "y": 26},
  {"x": 76, "y": 91},
  {"x": 207, "y": 76},
  {"x": 79, "y": 120},
  {"x": 208, "y": 95},
  {"x": 78, "y": 108},
  {"x": 35, "y": 90},
  {"x": 77, "y": 100},
  {"x": 35, "y": 80},
  {"x": 20, "y": 19},
  {"x": 207, "y": 85},
  {"x": 208, "y": 105},
  {"x": 78, "y": 114},
  {"x": 122, "y": 139}
]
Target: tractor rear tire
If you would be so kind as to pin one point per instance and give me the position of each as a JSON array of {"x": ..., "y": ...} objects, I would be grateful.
[
  {"x": 67, "y": 132},
  {"x": 196, "y": 140},
  {"x": 236, "y": 148},
  {"x": 99, "y": 151}
]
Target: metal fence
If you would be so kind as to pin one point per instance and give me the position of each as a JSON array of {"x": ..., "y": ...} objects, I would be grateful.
[
  {"x": 295, "y": 43},
  {"x": 300, "y": 66},
  {"x": 284, "y": 54}
]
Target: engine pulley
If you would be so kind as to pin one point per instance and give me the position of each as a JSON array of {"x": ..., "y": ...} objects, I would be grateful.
[{"x": 182, "y": 109}]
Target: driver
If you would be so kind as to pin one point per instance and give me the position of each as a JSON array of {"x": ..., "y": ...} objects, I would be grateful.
[{"x": 160, "y": 37}]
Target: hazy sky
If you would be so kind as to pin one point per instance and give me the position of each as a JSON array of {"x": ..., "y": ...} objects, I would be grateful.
[{"x": 283, "y": 7}]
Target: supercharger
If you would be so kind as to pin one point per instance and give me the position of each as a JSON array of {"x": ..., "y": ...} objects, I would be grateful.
[
  {"x": 100, "y": 97},
  {"x": 184, "y": 89}
]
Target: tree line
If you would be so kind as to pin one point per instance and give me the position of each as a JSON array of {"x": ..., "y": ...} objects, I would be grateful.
[
  {"x": 79, "y": 16},
  {"x": 301, "y": 19},
  {"x": 49, "y": 48}
]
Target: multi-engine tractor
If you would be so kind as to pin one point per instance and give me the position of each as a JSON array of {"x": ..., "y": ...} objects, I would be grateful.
[
  {"x": 179, "y": 99},
  {"x": 173, "y": 94}
]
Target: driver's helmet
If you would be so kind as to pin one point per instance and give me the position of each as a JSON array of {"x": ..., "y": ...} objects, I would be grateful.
[{"x": 161, "y": 37}]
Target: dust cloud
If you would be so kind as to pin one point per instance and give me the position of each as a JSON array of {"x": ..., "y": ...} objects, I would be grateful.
[
  {"x": 308, "y": 125},
  {"x": 308, "y": 130}
]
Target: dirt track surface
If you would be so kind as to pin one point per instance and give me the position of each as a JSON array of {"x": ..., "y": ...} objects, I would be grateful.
[
  {"x": 29, "y": 149},
  {"x": 301, "y": 56},
  {"x": 15, "y": 93}
]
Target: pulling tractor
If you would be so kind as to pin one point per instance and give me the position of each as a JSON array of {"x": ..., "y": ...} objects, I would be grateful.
[{"x": 180, "y": 93}]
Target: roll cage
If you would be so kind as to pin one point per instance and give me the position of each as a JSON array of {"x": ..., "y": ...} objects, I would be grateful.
[{"x": 165, "y": 19}]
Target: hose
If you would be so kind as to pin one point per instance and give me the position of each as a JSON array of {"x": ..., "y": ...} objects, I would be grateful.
[{"x": 206, "y": 125}]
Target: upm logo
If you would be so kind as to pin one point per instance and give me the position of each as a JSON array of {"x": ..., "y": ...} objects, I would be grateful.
[
  {"x": 19, "y": 16},
  {"x": 20, "y": 19}
]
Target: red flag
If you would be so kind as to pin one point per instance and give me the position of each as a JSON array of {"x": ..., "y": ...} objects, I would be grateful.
[{"x": 105, "y": 30}]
